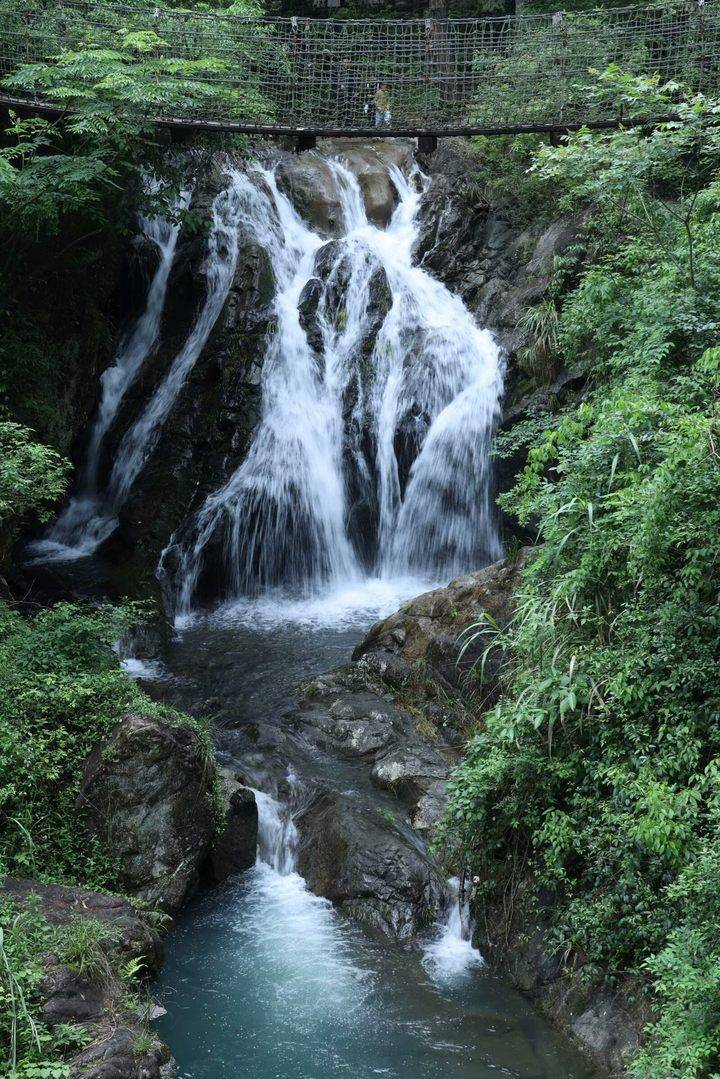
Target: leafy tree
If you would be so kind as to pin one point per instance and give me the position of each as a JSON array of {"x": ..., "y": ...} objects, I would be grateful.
[{"x": 32, "y": 476}]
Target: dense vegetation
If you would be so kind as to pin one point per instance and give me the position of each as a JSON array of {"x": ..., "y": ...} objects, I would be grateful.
[
  {"x": 591, "y": 792},
  {"x": 61, "y": 690},
  {"x": 593, "y": 788}
]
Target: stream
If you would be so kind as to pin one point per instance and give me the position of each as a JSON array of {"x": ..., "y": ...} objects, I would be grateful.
[{"x": 262, "y": 978}]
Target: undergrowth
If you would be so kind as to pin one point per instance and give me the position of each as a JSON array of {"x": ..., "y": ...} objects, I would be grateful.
[{"x": 599, "y": 768}]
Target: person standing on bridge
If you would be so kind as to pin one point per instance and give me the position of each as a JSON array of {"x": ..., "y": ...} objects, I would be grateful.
[{"x": 383, "y": 117}]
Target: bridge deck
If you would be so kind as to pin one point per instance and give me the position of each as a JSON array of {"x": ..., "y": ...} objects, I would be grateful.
[{"x": 324, "y": 77}]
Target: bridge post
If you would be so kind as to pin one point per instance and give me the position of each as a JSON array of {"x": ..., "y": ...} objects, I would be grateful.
[
  {"x": 305, "y": 141},
  {"x": 427, "y": 144}
]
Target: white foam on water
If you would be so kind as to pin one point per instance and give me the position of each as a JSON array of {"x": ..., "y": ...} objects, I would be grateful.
[
  {"x": 144, "y": 670},
  {"x": 304, "y": 944},
  {"x": 450, "y": 954},
  {"x": 356, "y": 602}
]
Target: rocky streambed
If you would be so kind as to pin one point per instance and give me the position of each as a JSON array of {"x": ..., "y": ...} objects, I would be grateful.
[{"x": 264, "y": 976}]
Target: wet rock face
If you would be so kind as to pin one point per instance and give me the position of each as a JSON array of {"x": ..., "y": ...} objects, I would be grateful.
[
  {"x": 235, "y": 845},
  {"x": 346, "y": 714},
  {"x": 396, "y": 716},
  {"x": 306, "y": 179},
  {"x": 497, "y": 268},
  {"x": 147, "y": 792},
  {"x": 211, "y": 424},
  {"x": 422, "y": 640},
  {"x": 367, "y": 867},
  {"x": 114, "y": 1024}
]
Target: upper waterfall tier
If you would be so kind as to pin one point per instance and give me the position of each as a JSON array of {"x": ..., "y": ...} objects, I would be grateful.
[
  {"x": 360, "y": 397},
  {"x": 379, "y": 399}
]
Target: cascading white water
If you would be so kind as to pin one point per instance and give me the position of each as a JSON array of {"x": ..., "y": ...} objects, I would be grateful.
[
  {"x": 277, "y": 834},
  {"x": 81, "y": 525},
  {"x": 220, "y": 262},
  {"x": 294, "y": 928},
  {"x": 401, "y": 428},
  {"x": 95, "y": 518},
  {"x": 450, "y": 954},
  {"x": 282, "y": 511}
]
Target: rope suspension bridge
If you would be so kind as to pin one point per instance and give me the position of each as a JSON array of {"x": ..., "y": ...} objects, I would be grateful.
[{"x": 328, "y": 77}]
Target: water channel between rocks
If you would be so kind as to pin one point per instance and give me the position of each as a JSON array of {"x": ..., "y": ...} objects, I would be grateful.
[{"x": 262, "y": 978}]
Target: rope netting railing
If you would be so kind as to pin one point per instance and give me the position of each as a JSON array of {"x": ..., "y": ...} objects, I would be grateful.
[{"x": 343, "y": 76}]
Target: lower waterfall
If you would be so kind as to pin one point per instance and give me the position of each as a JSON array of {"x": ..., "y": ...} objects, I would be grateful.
[{"x": 379, "y": 398}]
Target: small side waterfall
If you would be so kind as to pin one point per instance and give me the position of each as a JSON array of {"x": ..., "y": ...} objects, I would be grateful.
[
  {"x": 450, "y": 954},
  {"x": 80, "y": 526},
  {"x": 92, "y": 516},
  {"x": 295, "y": 934},
  {"x": 220, "y": 262},
  {"x": 380, "y": 395}
]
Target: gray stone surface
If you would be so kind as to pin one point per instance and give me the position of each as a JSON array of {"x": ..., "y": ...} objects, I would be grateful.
[
  {"x": 367, "y": 867},
  {"x": 234, "y": 848},
  {"x": 102, "y": 1005},
  {"x": 306, "y": 179},
  {"x": 147, "y": 792}
]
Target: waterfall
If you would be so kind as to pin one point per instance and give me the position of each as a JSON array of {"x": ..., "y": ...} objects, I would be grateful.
[
  {"x": 277, "y": 835},
  {"x": 379, "y": 398},
  {"x": 140, "y": 440},
  {"x": 82, "y": 526},
  {"x": 450, "y": 953},
  {"x": 92, "y": 517},
  {"x": 281, "y": 512}
]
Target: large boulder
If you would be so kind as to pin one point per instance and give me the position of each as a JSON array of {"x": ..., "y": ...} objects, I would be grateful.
[
  {"x": 405, "y": 757},
  {"x": 136, "y": 934},
  {"x": 368, "y": 866},
  {"x": 120, "y": 1044},
  {"x": 147, "y": 791},
  {"x": 308, "y": 181},
  {"x": 235, "y": 846},
  {"x": 420, "y": 644}
]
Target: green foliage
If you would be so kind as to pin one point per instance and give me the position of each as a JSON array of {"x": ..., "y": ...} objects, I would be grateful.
[
  {"x": 133, "y": 67},
  {"x": 539, "y": 355},
  {"x": 502, "y": 178},
  {"x": 686, "y": 1039},
  {"x": 599, "y": 767},
  {"x": 86, "y": 945},
  {"x": 29, "y": 1049},
  {"x": 32, "y": 476},
  {"x": 61, "y": 690}
]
